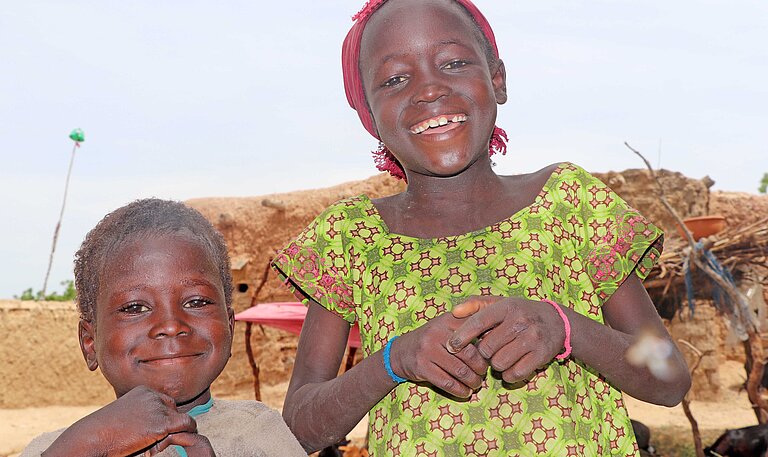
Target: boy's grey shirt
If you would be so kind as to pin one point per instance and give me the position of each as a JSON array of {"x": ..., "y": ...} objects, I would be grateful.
[{"x": 235, "y": 428}]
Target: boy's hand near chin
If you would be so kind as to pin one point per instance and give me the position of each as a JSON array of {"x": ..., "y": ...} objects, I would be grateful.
[
  {"x": 140, "y": 420},
  {"x": 195, "y": 444}
]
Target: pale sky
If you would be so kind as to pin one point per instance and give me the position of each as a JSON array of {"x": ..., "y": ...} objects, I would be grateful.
[{"x": 241, "y": 98}]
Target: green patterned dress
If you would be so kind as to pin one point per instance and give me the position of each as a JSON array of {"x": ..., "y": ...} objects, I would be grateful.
[{"x": 575, "y": 245}]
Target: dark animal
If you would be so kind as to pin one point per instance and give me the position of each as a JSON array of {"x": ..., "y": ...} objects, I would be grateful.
[
  {"x": 741, "y": 442},
  {"x": 643, "y": 437},
  {"x": 334, "y": 451}
]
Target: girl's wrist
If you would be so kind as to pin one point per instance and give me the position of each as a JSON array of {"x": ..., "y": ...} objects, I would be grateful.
[
  {"x": 567, "y": 348},
  {"x": 387, "y": 356}
]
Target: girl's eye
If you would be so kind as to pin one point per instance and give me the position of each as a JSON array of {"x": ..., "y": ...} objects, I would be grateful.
[
  {"x": 134, "y": 308},
  {"x": 197, "y": 303},
  {"x": 394, "y": 81},
  {"x": 453, "y": 65}
]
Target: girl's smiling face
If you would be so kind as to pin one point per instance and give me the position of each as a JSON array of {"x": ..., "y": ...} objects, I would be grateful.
[
  {"x": 161, "y": 319},
  {"x": 429, "y": 85}
]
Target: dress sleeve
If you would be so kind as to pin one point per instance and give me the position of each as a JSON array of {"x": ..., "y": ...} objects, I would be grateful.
[
  {"x": 618, "y": 240},
  {"x": 316, "y": 264}
]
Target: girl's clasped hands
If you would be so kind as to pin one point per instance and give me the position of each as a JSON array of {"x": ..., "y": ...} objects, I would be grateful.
[{"x": 513, "y": 336}]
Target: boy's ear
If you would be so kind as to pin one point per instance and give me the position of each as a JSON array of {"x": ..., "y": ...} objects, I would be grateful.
[
  {"x": 87, "y": 335},
  {"x": 499, "y": 79},
  {"x": 231, "y": 314}
]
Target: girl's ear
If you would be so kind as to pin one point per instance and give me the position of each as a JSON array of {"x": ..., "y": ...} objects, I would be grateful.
[
  {"x": 86, "y": 333},
  {"x": 499, "y": 79}
]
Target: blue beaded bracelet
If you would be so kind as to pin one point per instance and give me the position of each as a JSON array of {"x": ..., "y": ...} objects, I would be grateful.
[{"x": 388, "y": 363}]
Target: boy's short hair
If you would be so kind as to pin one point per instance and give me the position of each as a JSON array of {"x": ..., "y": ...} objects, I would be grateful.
[{"x": 149, "y": 216}]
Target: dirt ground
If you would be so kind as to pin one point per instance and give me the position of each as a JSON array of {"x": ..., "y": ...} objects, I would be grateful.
[{"x": 670, "y": 429}]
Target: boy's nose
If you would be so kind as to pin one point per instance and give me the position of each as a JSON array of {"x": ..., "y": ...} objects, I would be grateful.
[{"x": 170, "y": 323}]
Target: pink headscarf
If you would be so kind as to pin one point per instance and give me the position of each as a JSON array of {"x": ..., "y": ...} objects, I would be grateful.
[{"x": 353, "y": 84}]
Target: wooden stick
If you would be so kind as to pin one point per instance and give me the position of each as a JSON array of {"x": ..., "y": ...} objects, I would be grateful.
[
  {"x": 687, "y": 402},
  {"x": 252, "y": 362},
  {"x": 248, "y": 328}
]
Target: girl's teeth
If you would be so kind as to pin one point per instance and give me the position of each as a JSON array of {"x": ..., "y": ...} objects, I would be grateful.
[{"x": 438, "y": 122}]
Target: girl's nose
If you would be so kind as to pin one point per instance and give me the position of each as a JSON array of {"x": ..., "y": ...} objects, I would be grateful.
[
  {"x": 169, "y": 323},
  {"x": 430, "y": 91}
]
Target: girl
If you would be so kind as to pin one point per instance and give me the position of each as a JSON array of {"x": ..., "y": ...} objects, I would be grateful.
[{"x": 548, "y": 267}]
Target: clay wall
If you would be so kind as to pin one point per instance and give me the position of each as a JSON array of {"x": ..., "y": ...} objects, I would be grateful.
[
  {"x": 690, "y": 197},
  {"x": 41, "y": 358},
  {"x": 42, "y": 361}
]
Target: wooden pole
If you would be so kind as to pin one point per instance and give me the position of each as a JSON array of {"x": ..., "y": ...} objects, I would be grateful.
[
  {"x": 252, "y": 362},
  {"x": 61, "y": 216}
]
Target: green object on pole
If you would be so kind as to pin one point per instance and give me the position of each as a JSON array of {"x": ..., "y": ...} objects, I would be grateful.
[{"x": 77, "y": 135}]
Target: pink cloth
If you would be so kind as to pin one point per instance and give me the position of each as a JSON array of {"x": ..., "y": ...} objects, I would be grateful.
[{"x": 288, "y": 316}]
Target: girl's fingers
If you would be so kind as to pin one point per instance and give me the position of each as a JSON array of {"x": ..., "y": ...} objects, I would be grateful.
[
  {"x": 464, "y": 373},
  {"x": 522, "y": 369},
  {"x": 498, "y": 337},
  {"x": 474, "y": 326},
  {"x": 467, "y": 308},
  {"x": 447, "y": 382},
  {"x": 508, "y": 355},
  {"x": 472, "y": 358},
  {"x": 472, "y": 305}
]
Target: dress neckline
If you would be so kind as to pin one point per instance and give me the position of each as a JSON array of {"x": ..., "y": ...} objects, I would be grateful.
[{"x": 545, "y": 189}]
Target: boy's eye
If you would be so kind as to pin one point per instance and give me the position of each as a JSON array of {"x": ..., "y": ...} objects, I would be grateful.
[
  {"x": 197, "y": 303},
  {"x": 134, "y": 308},
  {"x": 393, "y": 81},
  {"x": 453, "y": 65}
]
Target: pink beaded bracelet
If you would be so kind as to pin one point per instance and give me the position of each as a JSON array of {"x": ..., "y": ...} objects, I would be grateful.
[{"x": 567, "y": 324}]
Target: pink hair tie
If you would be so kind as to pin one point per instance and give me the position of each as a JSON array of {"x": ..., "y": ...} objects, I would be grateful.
[{"x": 567, "y": 325}]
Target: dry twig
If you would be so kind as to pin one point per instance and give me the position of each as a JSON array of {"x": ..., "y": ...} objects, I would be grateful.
[{"x": 687, "y": 403}]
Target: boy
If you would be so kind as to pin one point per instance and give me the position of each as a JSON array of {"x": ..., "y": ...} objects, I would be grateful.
[{"x": 154, "y": 294}]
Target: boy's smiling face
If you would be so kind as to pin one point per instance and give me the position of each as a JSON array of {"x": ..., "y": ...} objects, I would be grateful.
[
  {"x": 430, "y": 87},
  {"x": 161, "y": 319}
]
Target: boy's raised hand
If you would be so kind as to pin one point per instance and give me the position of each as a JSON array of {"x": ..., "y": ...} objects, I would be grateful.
[
  {"x": 195, "y": 444},
  {"x": 421, "y": 355},
  {"x": 517, "y": 336},
  {"x": 133, "y": 423}
]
